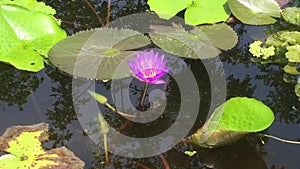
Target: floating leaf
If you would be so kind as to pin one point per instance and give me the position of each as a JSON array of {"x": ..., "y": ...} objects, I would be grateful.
[
  {"x": 221, "y": 35},
  {"x": 283, "y": 39},
  {"x": 255, "y": 12},
  {"x": 279, "y": 44},
  {"x": 27, "y": 37},
  {"x": 23, "y": 143},
  {"x": 292, "y": 15},
  {"x": 293, "y": 53},
  {"x": 175, "y": 40},
  {"x": 233, "y": 120},
  {"x": 31, "y": 5},
  {"x": 164, "y": 8},
  {"x": 197, "y": 12},
  {"x": 98, "y": 53},
  {"x": 207, "y": 11},
  {"x": 255, "y": 48}
]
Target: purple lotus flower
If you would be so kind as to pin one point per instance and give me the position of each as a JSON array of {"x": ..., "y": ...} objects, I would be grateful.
[{"x": 149, "y": 67}]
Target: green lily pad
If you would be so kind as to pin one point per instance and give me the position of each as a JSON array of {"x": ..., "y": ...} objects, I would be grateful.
[
  {"x": 199, "y": 43},
  {"x": 292, "y": 15},
  {"x": 197, "y": 12},
  {"x": 23, "y": 145},
  {"x": 251, "y": 12},
  {"x": 27, "y": 37},
  {"x": 293, "y": 54},
  {"x": 175, "y": 40},
  {"x": 207, "y": 11},
  {"x": 31, "y": 5},
  {"x": 221, "y": 35},
  {"x": 167, "y": 11},
  {"x": 98, "y": 54},
  {"x": 232, "y": 120}
]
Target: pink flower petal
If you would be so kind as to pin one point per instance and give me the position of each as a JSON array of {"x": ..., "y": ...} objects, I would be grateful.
[{"x": 149, "y": 67}]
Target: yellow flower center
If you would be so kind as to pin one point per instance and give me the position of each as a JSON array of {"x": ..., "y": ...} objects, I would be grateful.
[{"x": 149, "y": 73}]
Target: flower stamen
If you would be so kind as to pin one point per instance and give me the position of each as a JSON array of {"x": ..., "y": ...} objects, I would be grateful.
[
  {"x": 149, "y": 67},
  {"x": 149, "y": 73}
]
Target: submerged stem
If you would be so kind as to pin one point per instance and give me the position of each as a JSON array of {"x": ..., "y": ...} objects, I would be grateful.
[
  {"x": 94, "y": 11},
  {"x": 108, "y": 13},
  {"x": 280, "y": 139}
]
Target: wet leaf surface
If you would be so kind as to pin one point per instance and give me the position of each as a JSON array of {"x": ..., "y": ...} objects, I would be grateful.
[{"x": 255, "y": 12}]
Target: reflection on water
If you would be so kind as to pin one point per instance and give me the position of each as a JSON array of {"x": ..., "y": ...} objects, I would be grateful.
[{"x": 28, "y": 98}]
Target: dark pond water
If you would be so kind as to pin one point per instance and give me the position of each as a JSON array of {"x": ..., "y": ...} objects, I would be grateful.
[{"x": 29, "y": 98}]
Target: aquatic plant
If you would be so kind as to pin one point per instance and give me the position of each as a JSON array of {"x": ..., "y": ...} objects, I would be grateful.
[
  {"x": 29, "y": 30},
  {"x": 198, "y": 43},
  {"x": 233, "y": 120},
  {"x": 205, "y": 11},
  {"x": 281, "y": 47},
  {"x": 197, "y": 12},
  {"x": 109, "y": 48},
  {"x": 149, "y": 67},
  {"x": 251, "y": 12}
]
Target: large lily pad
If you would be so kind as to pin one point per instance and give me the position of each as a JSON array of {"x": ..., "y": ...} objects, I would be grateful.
[
  {"x": 233, "y": 120},
  {"x": 255, "y": 12},
  {"x": 197, "y": 12},
  {"x": 175, "y": 40},
  {"x": 23, "y": 145},
  {"x": 27, "y": 37},
  {"x": 196, "y": 44},
  {"x": 98, "y": 53}
]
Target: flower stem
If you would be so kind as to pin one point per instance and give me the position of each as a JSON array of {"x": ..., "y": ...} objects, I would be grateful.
[
  {"x": 143, "y": 97},
  {"x": 106, "y": 149}
]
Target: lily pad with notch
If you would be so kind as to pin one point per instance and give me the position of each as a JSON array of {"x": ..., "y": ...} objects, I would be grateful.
[
  {"x": 98, "y": 53},
  {"x": 251, "y": 12}
]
